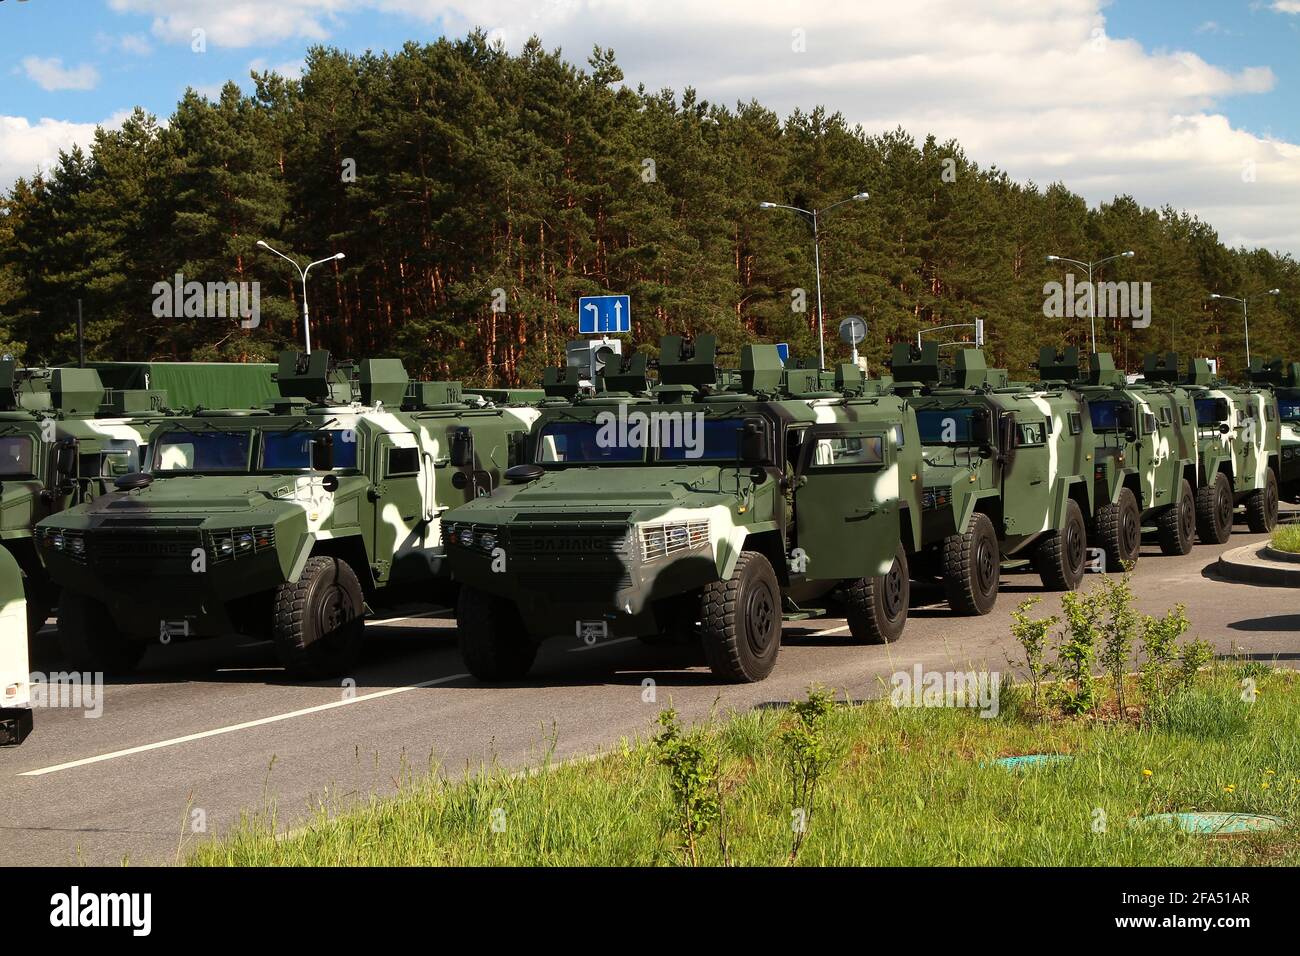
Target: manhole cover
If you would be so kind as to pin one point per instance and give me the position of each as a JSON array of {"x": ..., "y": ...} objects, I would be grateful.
[
  {"x": 1031, "y": 760},
  {"x": 1216, "y": 823}
]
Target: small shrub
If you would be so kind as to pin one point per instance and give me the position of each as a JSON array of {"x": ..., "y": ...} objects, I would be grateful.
[
  {"x": 807, "y": 758},
  {"x": 1118, "y": 632},
  {"x": 1077, "y": 691},
  {"x": 1031, "y": 634},
  {"x": 693, "y": 775},
  {"x": 1160, "y": 647}
]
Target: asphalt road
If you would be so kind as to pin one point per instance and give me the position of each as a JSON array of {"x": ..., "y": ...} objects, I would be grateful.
[{"x": 216, "y": 727}]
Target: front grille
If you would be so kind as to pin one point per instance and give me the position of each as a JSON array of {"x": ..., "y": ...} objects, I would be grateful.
[
  {"x": 936, "y": 496},
  {"x": 569, "y": 561},
  {"x": 139, "y": 546},
  {"x": 236, "y": 543}
]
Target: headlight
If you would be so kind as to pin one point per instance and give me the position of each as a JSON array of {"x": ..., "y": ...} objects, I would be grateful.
[
  {"x": 488, "y": 542},
  {"x": 56, "y": 540},
  {"x": 466, "y": 537},
  {"x": 76, "y": 546},
  {"x": 670, "y": 537}
]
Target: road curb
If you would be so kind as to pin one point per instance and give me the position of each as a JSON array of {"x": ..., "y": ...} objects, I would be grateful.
[{"x": 1252, "y": 565}]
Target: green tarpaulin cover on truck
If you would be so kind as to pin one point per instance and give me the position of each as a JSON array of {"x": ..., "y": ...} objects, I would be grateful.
[{"x": 190, "y": 384}]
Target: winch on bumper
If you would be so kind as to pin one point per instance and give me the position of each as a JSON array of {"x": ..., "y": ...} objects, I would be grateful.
[{"x": 559, "y": 572}]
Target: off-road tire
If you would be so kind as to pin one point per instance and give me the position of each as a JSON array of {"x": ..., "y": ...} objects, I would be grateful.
[
  {"x": 318, "y": 622},
  {"x": 90, "y": 640},
  {"x": 1261, "y": 505},
  {"x": 1214, "y": 507},
  {"x": 494, "y": 641},
  {"x": 1062, "y": 556},
  {"x": 971, "y": 567},
  {"x": 1176, "y": 523},
  {"x": 740, "y": 621},
  {"x": 876, "y": 607},
  {"x": 1119, "y": 530}
]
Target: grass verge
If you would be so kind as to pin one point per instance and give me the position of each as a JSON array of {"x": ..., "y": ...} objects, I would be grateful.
[{"x": 909, "y": 786}]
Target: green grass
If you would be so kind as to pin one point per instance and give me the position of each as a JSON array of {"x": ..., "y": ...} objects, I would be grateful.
[
  {"x": 909, "y": 787},
  {"x": 1287, "y": 538}
]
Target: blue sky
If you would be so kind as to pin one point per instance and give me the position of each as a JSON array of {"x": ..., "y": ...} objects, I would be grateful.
[{"x": 1169, "y": 100}]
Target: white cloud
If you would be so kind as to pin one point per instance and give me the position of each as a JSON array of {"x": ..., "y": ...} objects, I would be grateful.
[
  {"x": 291, "y": 70},
  {"x": 50, "y": 74},
  {"x": 26, "y": 148},
  {"x": 1286, "y": 6},
  {"x": 238, "y": 23}
]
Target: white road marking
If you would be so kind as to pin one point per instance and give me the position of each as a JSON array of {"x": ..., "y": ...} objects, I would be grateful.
[
  {"x": 408, "y": 617},
  {"x": 188, "y": 738},
  {"x": 834, "y": 630}
]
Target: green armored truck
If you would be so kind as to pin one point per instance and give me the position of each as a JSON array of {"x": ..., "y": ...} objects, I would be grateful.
[
  {"x": 63, "y": 439},
  {"x": 1239, "y": 441},
  {"x": 281, "y": 522},
  {"x": 1284, "y": 380},
  {"x": 1144, "y": 469},
  {"x": 1007, "y": 475},
  {"x": 705, "y": 509}
]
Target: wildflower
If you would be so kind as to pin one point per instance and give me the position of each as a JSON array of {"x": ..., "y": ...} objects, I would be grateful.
[
  {"x": 1146, "y": 773},
  {"x": 1265, "y": 785},
  {"x": 1229, "y": 788}
]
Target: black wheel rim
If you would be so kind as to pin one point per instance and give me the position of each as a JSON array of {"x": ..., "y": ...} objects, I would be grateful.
[
  {"x": 1187, "y": 518},
  {"x": 1223, "y": 507},
  {"x": 893, "y": 592},
  {"x": 985, "y": 566},
  {"x": 333, "y": 613},
  {"x": 761, "y": 616},
  {"x": 1130, "y": 532},
  {"x": 1075, "y": 547}
]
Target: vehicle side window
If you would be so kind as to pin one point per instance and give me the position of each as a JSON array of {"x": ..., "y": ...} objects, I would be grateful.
[
  {"x": 403, "y": 461},
  {"x": 1268, "y": 412},
  {"x": 1186, "y": 415},
  {"x": 1166, "y": 415},
  {"x": 1149, "y": 423},
  {"x": 1033, "y": 433},
  {"x": 1076, "y": 423},
  {"x": 849, "y": 450}
]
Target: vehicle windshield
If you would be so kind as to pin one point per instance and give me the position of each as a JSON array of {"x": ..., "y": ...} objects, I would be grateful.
[
  {"x": 584, "y": 443},
  {"x": 1210, "y": 411},
  {"x": 17, "y": 458},
  {"x": 202, "y": 451},
  {"x": 1289, "y": 408},
  {"x": 947, "y": 426},
  {"x": 1109, "y": 416},
  {"x": 718, "y": 440},
  {"x": 291, "y": 450}
]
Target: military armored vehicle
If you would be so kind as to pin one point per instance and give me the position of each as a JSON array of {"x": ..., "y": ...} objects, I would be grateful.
[
  {"x": 63, "y": 439},
  {"x": 1007, "y": 475},
  {"x": 1144, "y": 469},
  {"x": 1239, "y": 441},
  {"x": 15, "y": 672},
  {"x": 281, "y": 522},
  {"x": 703, "y": 508},
  {"x": 1284, "y": 380}
]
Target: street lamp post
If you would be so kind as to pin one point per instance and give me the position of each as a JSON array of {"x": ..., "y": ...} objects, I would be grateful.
[
  {"x": 1092, "y": 289},
  {"x": 813, "y": 216},
  {"x": 306, "y": 315},
  {"x": 1245, "y": 318}
]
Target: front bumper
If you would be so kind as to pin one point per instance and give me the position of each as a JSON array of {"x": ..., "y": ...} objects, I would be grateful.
[{"x": 559, "y": 573}]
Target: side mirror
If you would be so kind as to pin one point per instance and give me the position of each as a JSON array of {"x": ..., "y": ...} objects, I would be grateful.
[
  {"x": 753, "y": 443},
  {"x": 462, "y": 448},
  {"x": 1225, "y": 428},
  {"x": 1008, "y": 433},
  {"x": 65, "y": 460},
  {"x": 1130, "y": 436},
  {"x": 330, "y": 483},
  {"x": 322, "y": 452}
]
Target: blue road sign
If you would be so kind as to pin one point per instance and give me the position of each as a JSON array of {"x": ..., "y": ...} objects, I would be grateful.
[
  {"x": 604, "y": 313},
  {"x": 783, "y": 350}
]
